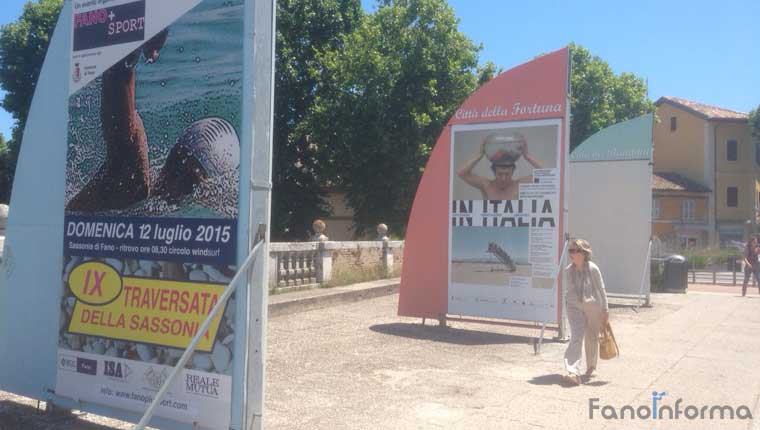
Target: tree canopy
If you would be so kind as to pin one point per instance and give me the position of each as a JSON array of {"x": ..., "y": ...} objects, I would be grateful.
[
  {"x": 23, "y": 45},
  {"x": 599, "y": 97},
  {"x": 6, "y": 179},
  {"x": 754, "y": 123},
  {"x": 305, "y": 30},
  {"x": 388, "y": 95}
]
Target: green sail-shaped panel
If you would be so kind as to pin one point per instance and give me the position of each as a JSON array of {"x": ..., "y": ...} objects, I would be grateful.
[{"x": 628, "y": 140}]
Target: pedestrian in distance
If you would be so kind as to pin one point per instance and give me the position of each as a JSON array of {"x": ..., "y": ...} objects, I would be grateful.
[
  {"x": 750, "y": 264},
  {"x": 587, "y": 310}
]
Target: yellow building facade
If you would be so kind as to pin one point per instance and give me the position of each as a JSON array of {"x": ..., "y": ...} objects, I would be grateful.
[
  {"x": 711, "y": 149},
  {"x": 679, "y": 210}
]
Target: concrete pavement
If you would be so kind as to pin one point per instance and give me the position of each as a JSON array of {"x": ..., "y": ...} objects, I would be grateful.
[
  {"x": 320, "y": 298},
  {"x": 358, "y": 366}
]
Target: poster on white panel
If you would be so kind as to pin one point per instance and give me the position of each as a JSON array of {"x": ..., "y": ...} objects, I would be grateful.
[
  {"x": 505, "y": 219},
  {"x": 151, "y": 204}
]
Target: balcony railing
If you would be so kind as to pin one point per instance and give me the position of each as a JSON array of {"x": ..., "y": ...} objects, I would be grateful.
[{"x": 681, "y": 220}]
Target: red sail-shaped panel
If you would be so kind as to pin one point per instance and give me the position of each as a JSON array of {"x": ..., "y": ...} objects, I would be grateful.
[{"x": 516, "y": 104}]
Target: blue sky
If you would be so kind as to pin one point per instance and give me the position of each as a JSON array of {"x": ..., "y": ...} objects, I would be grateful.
[{"x": 698, "y": 50}]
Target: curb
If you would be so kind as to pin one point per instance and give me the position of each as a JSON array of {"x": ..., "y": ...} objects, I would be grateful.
[{"x": 332, "y": 299}]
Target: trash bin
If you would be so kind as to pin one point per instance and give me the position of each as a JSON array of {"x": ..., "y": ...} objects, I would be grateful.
[{"x": 676, "y": 274}]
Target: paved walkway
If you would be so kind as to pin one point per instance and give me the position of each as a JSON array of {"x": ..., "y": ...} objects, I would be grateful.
[
  {"x": 359, "y": 366},
  {"x": 728, "y": 289},
  {"x": 320, "y": 298}
]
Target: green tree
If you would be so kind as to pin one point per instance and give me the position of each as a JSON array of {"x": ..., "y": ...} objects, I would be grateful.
[
  {"x": 599, "y": 97},
  {"x": 305, "y": 29},
  {"x": 488, "y": 71},
  {"x": 754, "y": 123},
  {"x": 6, "y": 176},
  {"x": 23, "y": 45},
  {"x": 389, "y": 92}
]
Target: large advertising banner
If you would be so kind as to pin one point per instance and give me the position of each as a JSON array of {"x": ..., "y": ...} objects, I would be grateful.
[
  {"x": 152, "y": 190},
  {"x": 505, "y": 213},
  {"x": 486, "y": 228}
]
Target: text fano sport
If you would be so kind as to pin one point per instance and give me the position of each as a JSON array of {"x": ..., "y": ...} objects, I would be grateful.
[{"x": 101, "y": 16}]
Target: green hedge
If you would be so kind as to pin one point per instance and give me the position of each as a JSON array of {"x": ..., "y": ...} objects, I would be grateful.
[
  {"x": 704, "y": 257},
  {"x": 656, "y": 270}
]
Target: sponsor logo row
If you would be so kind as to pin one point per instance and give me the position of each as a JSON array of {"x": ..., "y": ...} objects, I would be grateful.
[{"x": 152, "y": 378}]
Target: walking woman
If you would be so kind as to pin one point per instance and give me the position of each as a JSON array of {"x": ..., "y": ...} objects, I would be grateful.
[
  {"x": 587, "y": 310},
  {"x": 750, "y": 265}
]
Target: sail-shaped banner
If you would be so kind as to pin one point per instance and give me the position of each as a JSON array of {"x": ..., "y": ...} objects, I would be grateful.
[
  {"x": 487, "y": 225},
  {"x": 133, "y": 208}
]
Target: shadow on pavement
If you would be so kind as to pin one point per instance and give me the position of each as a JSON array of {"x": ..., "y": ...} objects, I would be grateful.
[
  {"x": 553, "y": 379},
  {"x": 557, "y": 379},
  {"x": 596, "y": 383},
  {"x": 451, "y": 335},
  {"x": 16, "y": 416}
]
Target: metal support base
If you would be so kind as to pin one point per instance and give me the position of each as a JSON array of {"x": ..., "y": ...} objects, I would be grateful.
[
  {"x": 52, "y": 409},
  {"x": 537, "y": 345},
  {"x": 648, "y": 302}
]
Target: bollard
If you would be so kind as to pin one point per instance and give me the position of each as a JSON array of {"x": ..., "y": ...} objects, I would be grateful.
[{"x": 387, "y": 257}]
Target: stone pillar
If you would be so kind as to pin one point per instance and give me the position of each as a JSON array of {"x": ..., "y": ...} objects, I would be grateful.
[
  {"x": 324, "y": 257},
  {"x": 274, "y": 270},
  {"x": 3, "y": 221},
  {"x": 324, "y": 263}
]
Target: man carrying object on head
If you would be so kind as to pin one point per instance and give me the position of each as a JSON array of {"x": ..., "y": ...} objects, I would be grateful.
[{"x": 502, "y": 151}]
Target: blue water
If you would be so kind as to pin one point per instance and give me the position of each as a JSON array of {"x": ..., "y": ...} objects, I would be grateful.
[{"x": 199, "y": 74}]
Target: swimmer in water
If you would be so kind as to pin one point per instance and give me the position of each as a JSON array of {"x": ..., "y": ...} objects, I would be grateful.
[
  {"x": 503, "y": 186},
  {"x": 205, "y": 149}
]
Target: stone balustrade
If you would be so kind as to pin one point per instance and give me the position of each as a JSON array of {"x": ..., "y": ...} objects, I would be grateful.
[
  {"x": 296, "y": 265},
  {"x": 323, "y": 262}
]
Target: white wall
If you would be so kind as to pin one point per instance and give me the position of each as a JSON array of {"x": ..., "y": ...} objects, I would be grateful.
[{"x": 610, "y": 205}]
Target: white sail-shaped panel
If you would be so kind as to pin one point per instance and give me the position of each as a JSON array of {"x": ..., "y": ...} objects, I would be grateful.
[{"x": 30, "y": 273}]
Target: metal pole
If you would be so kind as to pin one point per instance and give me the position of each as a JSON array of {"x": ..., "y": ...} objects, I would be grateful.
[
  {"x": 194, "y": 343},
  {"x": 260, "y": 29},
  {"x": 644, "y": 275},
  {"x": 561, "y": 304},
  {"x": 541, "y": 338}
]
